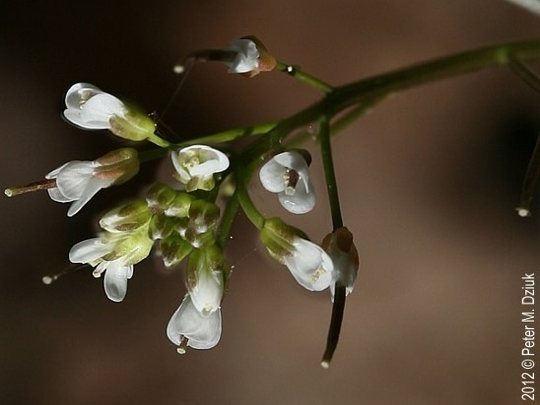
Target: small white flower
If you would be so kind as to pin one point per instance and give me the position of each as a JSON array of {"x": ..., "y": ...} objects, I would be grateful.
[
  {"x": 113, "y": 254},
  {"x": 79, "y": 181},
  {"x": 196, "y": 165},
  {"x": 310, "y": 265},
  {"x": 190, "y": 327},
  {"x": 247, "y": 56},
  {"x": 117, "y": 273},
  {"x": 75, "y": 181},
  {"x": 287, "y": 174},
  {"x": 91, "y": 108}
]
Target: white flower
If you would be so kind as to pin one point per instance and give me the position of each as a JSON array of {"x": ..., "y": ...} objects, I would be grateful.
[
  {"x": 287, "y": 174},
  {"x": 247, "y": 56},
  {"x": 117, "y": 273},
  {"x": 115, "y": 254},
  {"x": 310, "y": 265},
  {"x": 75, "y": 181},
  {"x": 90, "y": 108},
  {"x": 190, "y": 327},
  {"x": 196, "y": 165},
  {"x": 79, "y": 181}
]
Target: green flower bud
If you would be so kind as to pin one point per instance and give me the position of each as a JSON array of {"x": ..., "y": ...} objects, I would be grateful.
[
  {"x": 159, "y": 197},
  {"x": 278, "y": 238},
  {"x": 173, "y": 249},
  {"x": 133, "y": 125},
  {"x": 203, "y": 216},
  {"x": 127, "y": 217}
]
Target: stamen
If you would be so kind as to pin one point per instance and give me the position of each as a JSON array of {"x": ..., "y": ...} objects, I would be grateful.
[{"x": 35, "y": 186}]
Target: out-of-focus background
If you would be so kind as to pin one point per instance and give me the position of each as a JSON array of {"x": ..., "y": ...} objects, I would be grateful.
[{"x": 428, "y": 181}]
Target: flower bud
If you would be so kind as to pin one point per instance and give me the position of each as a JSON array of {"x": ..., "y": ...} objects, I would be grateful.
[
  {"x": 159, "y": 197},
  {"x": 203, "y": 216},
  {"x": 173, "y": 249},
  {"x": 127, "y": 217}
]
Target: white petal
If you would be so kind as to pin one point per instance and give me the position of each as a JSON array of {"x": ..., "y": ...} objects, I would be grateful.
[
  {"x": 272, "y": 176},
  {"x": 301, "y": 201},
  {"x": 292, "y": 160},
  {"x": 115, "y": 281},
  {"x": 74, "y": 177},
  {"x": 88, "y": 251},
  {"x": 208, "y": 167},
  {"x": 310, "y": 265},
  {"x": 247, "y": 58},
  {"x": 56, "y": 195},
  {"x": 98, "y": 110},
  {"x": 54, "y": 173},
  {"x": 79, "y": 93},
  {"x": 92, "y": 187},
  {"x": 202, "y": 332},
  {"x": 207, "y": 294}
]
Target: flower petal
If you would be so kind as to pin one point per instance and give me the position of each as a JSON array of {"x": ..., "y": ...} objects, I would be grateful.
[
  {"x": 310, "y": 265},
  {"x": 88, "y": 251},
  {"x": 73, "y": 178},
  {"x": 79, "y": 93},
  {"x": 92, "y": 187},
  {"x": 300, "y": 202},
  {"x": 115, "y": 281},
  {"x": 272, "y": 176},
  {"x": 247, "y": 58},
  {"x": 202, "y": 332}
]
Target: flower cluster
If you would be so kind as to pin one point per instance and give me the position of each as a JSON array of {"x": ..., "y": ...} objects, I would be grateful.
[{"x": 182, "y": 220}]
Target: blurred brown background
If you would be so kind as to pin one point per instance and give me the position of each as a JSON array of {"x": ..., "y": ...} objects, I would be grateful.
[{"x": 428, "y": 182}]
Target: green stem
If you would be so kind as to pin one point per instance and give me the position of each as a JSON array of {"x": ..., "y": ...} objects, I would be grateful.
[
  {"x": 156, "y": 140},
  {"x": 329, "y": 172},
  {"x": 232, "y": 134},
  {"x": 299, "y": 74},
  {"x": 242, "y": 178},
  {"x": 227, "y": 220},
  {"x": 376, "y": 88}
]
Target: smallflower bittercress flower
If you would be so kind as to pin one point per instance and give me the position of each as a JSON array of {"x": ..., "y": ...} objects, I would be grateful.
[
  {"x": 189, "y": 327},
  {"x": 78, "y": 181},
  {"x": 89, "y": 107},
  {"x": 196, "y": 165},
  {"x": 287, "y": 175},
  {"x": 308, "y": 263}
]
